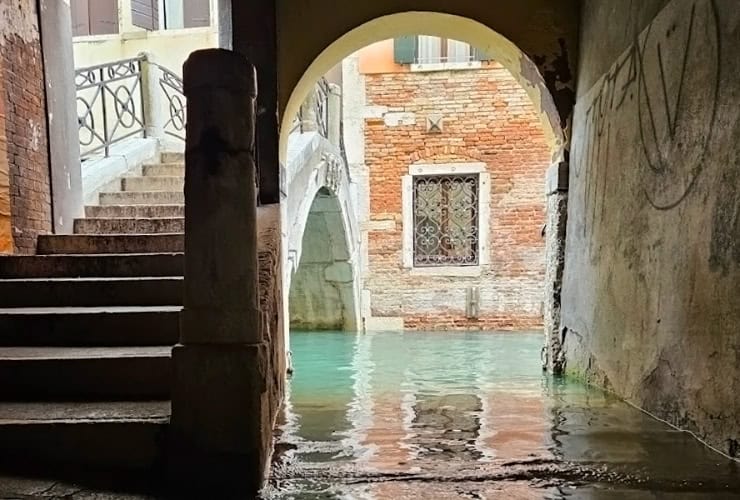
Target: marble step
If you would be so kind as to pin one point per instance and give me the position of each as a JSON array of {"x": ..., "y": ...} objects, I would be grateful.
[
  {"x": 111, "y": 243},
  {"x": 172, "y": 158},
  {"x": 91, "y": 265},
  {"x": 85, "y": 373},
  {"x": 91, "y": 292},
  {"x": 135, "y": 211},
  {"x": 129, "y": 225},
  {"x": 143, "y": 198},
  {"x": 85, "y": 440},
  {"x": 164, "y": 169},
  {"x": 153, "y": 183},
  {"x": 89, "y": 326}
]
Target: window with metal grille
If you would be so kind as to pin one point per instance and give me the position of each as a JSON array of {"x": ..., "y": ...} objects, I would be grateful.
[{"x": 445, "y": 220}]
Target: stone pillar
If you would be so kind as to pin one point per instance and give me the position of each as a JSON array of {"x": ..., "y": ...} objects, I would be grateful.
[
  {"x": 64, "y": 141},
  {"x": 221, "y": 410},
  {"x": 335, "y": 114},
  {"x": 152, "y": 96},
  {"x": 254, "y": 30},
  {"x": 557, "y": 216},
  {"x": 309, "y": 122}
]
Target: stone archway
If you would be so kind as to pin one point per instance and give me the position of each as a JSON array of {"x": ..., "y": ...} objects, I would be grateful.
[
  {"x": 524, "y": 69},
  {"x": 322, "y": 291}
]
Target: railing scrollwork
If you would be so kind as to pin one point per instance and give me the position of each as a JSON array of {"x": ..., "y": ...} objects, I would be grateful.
[
  {"x": 110, "y": 104},
  {"x": 116, "y": 101},
  {"x": 172, "y": 89}
]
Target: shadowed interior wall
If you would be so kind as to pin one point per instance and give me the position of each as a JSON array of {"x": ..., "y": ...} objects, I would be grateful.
[{"x": 651, "y": 304}]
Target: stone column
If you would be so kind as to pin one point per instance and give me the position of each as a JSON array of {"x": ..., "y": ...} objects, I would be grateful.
[
  {"x": 309, "y": 122},
  {"x": 152, "y": 96},
  {"x": 64, "y": 141},
  {"x": 221, "y": 411},
  {"x": 557, "y": 216},
  {"x": 335, "y": 114}
]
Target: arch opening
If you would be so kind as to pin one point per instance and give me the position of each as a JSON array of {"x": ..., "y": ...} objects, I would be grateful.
[
  {"x": 496, "y": 46},
  {"x": 322, "y": 287}
]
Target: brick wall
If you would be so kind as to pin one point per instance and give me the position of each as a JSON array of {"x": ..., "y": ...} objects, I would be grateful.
[
  {"x": 487, "y": 118},
  {"x": 6, "y": 235},
  {"x": 25, "y": 124}
]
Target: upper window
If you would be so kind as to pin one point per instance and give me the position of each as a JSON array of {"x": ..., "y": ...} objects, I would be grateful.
[
  {"x": 187, "y": 14},
  {"x": 100, "y": 17},
  {"x": 445, "y": 220},
  {"x": 94, "y": 17},
  {"x": 422, "y": 49}
]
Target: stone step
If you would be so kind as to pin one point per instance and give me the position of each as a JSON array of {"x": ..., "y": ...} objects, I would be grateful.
[
  {"x": 111, "y": 244},
  {"x": 152, "y": 183},
  {"x": 91, "y": 265},
  {"x": 164, "y": 169},
  {"x": 89, "y": 373},
  {"x": 84, "y": 438},
  {"x": 172, "y": 158},
  {"x": 143, "y": 198},
  {"x": 89, "y": 326},
  {"x": 129, "y": 226},
  {"x": 91, "y": 292},
  {"x": 135, "y": 211}
]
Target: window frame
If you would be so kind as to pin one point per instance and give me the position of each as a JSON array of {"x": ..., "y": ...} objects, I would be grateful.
[
  {"x": 484, "y": 202},
  {"x": 408, "y": 54}
]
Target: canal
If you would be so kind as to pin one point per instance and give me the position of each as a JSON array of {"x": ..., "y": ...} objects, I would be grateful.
[{"x": 470, "y": 415}]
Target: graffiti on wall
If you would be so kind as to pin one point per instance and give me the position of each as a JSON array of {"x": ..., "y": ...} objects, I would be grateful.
[{"x": 664, "y": 89}]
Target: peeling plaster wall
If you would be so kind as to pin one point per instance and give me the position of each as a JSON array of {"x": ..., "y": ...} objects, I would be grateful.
[
  {"x": 24, "y": 116},
  {"x": 651, "y": 294}
]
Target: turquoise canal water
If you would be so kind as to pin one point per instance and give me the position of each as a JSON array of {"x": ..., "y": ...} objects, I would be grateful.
[{"x": 392, "y": 415}]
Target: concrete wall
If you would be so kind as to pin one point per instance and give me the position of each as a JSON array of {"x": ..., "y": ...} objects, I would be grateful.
[
  {"x": 651, "y": 304},
  {"x": 488, "y": 124},
  {"x": 25, "y": 135}
]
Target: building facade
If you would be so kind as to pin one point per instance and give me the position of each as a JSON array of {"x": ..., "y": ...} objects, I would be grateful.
[
  {"x": 166, "y": 30},
  {"x": 450, "y": 158}
]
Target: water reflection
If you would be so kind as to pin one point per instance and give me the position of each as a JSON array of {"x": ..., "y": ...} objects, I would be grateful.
[{"x": 432, "y": 415}]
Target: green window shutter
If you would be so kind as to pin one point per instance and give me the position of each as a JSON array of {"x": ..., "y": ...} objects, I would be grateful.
[{"x": 404, "y": 49}]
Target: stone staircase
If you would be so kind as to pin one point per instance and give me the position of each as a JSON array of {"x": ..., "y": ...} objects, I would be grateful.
[{"x": 86, "y": 330}]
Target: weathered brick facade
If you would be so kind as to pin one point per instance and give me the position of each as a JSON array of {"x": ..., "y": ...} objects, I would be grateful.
[
  {"x": 488, "y": 118},
  {"x": 23, "y": 142}
]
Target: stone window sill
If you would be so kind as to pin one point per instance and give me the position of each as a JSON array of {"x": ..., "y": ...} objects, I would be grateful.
[
  {"x": 451, "y": 271},
  {"x": 454, "y": 66}
]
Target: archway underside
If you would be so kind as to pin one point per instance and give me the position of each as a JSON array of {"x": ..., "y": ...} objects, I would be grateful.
[
  {"x": 321, "y": 291},
  {"x": 498, "y": 47}
]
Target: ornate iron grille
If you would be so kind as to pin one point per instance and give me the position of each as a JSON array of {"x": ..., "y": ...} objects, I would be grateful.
[
  {"x": 445, "y": 220},
  {"x": 172, "y": 87},
  {"x": 110, "y": 104}
]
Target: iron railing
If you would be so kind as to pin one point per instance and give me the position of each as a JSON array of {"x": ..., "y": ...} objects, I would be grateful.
[
  {"x": 446, "y": 220},
  {"x": 172, "y": 88},
  {"x": 110, "y": 104},
  {"x": 112, "y": 98}
]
